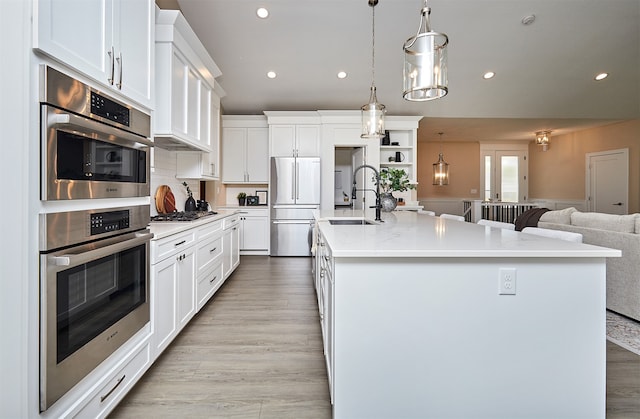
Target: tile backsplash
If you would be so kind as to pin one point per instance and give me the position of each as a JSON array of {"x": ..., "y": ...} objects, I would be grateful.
[{"x": 163, "y": 172}]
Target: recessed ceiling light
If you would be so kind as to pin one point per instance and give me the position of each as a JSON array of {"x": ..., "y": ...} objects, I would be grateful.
[
  {"x": 601, "y": 76},
  {"x": 271, "y": 74},
  {"x": 488, "y": 75},
  {"x": 262, "y": 13},
  {"x": 342, "y": 75}
]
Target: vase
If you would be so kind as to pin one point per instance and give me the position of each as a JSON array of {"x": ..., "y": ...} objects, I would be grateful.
[
  {"x": 241, "y": 202},
  {"x": 388, "y": 202},
  {"x": 190, "y": 205}
]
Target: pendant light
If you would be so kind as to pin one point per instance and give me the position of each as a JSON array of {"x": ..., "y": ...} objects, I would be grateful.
[
  {"x": 373, "y": 112},
  {"x": 440, "y": 168},
  {"x": 425, "y": 62}
]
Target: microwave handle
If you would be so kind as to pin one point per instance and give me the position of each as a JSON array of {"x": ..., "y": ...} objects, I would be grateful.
[
  {"x": 87, "y": 125},
  {"x": 77, "y": 259}
]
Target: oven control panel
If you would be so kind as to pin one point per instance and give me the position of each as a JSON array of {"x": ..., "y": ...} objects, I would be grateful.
[
  {"x": 108, "y": 109},
  {"x": 105, "y": 222}
]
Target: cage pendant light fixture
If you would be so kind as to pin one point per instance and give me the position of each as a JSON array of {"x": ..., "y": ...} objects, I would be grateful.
[
  {"x": 373, "y": 112},
  {"x": 440, "y": 168},
  {"x": 425, "y": 62}
]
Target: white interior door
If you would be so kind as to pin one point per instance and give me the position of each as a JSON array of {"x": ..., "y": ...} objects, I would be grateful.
[{"x": 608, "y": 181}]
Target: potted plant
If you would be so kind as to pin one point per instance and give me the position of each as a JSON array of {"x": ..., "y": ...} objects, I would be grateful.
[
  {"x": 392, "y": 180},
  {"x": 242, "y": 197}
]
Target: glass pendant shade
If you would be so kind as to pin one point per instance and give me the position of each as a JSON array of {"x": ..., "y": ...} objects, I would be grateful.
[
  {"x": 425, "y": 62},
  {"x": 440, "y": 172},
  {"x": 373, "y": 117}
]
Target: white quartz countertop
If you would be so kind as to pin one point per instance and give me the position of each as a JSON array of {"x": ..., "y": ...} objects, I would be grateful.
[
  {"x": 410, "y": 234},
  {"x": 162, "y": 229}
]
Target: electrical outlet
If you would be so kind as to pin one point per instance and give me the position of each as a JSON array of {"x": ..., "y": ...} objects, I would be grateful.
[{"x": 507, "y": 281}]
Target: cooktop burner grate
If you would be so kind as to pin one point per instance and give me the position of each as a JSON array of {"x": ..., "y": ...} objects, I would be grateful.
[{"x": 182, "y": 216}]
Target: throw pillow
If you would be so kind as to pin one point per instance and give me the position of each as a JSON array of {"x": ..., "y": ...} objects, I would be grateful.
[{"x": 562, "y": 216}]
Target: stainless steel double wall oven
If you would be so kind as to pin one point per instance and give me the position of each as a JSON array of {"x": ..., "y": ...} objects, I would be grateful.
[{"x": 94, "y": 260}]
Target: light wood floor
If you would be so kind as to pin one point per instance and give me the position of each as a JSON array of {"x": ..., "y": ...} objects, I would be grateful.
[{"x": 255, "y": 351}]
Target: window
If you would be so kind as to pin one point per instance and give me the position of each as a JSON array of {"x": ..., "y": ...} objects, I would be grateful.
[{"x": 504, "y": 172}]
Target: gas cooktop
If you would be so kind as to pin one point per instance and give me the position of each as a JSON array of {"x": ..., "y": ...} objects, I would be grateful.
[{"x": 182, "y": 216}]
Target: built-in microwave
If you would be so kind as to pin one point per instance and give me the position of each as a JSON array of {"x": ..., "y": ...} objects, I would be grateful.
[{"x": 93, "y": 146}]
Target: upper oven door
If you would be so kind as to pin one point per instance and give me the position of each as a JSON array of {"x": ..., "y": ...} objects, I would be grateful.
[{"x": 85, "y": 159}]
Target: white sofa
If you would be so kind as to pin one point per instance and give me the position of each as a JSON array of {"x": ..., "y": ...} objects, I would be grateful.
[{"x": 614, "y": 231}]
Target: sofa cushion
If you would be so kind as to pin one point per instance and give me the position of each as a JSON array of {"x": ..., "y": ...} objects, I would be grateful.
[
  {"x": 562, "y": 216},
  {"x": 602, "y": 221}
]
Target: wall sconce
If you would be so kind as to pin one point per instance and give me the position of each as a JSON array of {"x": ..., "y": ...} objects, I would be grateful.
[{"x": 542, "y": 139}]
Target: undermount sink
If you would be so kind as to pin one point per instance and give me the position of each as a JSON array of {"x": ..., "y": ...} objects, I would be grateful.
[{"x": 350, "y": 221}]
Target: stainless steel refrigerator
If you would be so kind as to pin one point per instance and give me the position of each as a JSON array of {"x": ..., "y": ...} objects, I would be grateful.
[{"x": 295, "y": 194}]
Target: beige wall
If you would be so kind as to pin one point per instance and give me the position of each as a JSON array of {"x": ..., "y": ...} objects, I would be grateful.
[
  {"x": 558, "y": 173},
  {"x": 464, "y": 170}
]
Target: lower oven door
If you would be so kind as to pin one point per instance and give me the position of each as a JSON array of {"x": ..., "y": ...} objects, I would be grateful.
[{"x": 94, "y": 297}]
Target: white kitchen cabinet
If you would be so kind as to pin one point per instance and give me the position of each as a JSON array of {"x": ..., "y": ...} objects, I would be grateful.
[
  {"x": 405, "y": 147},
  {"x": 187, "y": 96},
  {"x": 230, "y": 245},
  {"x": 196, "y": 165},
  {"x": 245, "y": 149},
  {"x": 295, "y": 140},
  {"x": 110, "y": 41},
  {"x": 325, "y": 304},
  {"x": 172, "y": 287},
  {"x": 254, "y": 231}
]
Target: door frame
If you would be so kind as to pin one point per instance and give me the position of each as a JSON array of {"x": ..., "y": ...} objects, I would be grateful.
[{"x": 588, "y": 156}]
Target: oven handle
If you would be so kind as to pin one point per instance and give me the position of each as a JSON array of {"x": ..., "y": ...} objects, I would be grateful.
[
  {"x": 92, "y": 126},
  {"x": 84, "y": 257}
]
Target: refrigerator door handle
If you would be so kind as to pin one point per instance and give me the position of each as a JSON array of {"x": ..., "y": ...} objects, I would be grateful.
[
  {"x": 293, "y": 184},
  {"x": 297, "y": 183}
]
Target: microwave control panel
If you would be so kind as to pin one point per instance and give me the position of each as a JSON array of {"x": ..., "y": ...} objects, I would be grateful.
[{"x": 105, "y": 222}]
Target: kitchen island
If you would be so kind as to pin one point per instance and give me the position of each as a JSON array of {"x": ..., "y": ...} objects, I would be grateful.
[{"x": 430, "y": 318}]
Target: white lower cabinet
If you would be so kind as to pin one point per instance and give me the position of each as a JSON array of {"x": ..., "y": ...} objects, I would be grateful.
[
  {"x": 324, "y": 289},
  {"x": 173, "y": 293},
  {"x": 208, "y": 283},
  {"x": 115, "y": 385},
  {"x": 231, "y": 245},
  {"x": 254, "y": 231}
]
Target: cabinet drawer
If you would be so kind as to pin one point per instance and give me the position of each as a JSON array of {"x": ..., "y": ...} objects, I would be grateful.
[
  {"x": 207, "y": 254},
  {"x": 161, "y": 249},
  {"x": 116, "y": 386},
  {"x": 208, "y": 284},
  {"x": 229, "y": 222},
  {"x": 208, "y": 230}
]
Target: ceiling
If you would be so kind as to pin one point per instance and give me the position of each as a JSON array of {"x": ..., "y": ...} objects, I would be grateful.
[{"x": 544, "y": 71}]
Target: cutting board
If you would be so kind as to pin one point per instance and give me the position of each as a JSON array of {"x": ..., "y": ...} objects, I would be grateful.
[{"x": 165, "y": 201}]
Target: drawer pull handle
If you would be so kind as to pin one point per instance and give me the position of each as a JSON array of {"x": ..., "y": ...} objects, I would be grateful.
[
  {"x": 103, "y": 398},
  {"x": 213, "y": 250},
  {"x": 179, "y": 243},
  {"x": 213, "y": 279}
]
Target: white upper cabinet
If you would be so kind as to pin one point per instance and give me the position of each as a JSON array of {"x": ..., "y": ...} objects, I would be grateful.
[
  {"x": 294, "y": 134},
  {"x": 245, "y": 149},
  {"x": 110, "y": 41},
  {"x": 187, "y": 95}
]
